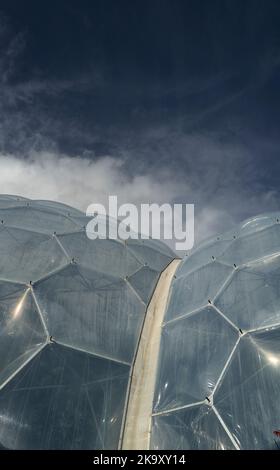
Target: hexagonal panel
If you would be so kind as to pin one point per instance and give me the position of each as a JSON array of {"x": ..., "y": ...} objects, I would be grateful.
[
  {"x": 248, "y": 396},
  {"x": 203, "y": 255},
  {"x": 27, "y": 256},
  {"x": 91, "y": 311},
  {"x": 21, "y": 329},
  {"x": 253, "y": 246},
  {"x": 107, "y": 256},
  {"x": 193, "y": 353},
  {"x": 194, "y": 428},
  {"x": 64, "y": 399},
  {"x": 252, "y": 298},
  {"x": 195, "y": 289}
]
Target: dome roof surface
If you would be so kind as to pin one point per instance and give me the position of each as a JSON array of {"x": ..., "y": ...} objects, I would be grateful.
[
  {"x": 218, "y": 380},
  {"x": 71, "y": 312}
]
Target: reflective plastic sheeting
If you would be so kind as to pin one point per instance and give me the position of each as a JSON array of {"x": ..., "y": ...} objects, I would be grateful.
[
  {"x": 194, "y": 351},
  {"x": 107, "y": 256},
  {"x": 203, "y": 255},
  {"x": 71, "y": 315},
  {"x": 143, "y": 281},
  {"x": 252, "y": 297},
  {"x": 22, "y": 331},
  {"x": 92, "y": 311},
  {"x": 248, "y": 396},
  {"x": 194, "y": 290},
  {"x": 151, "y": 253},
  {"x": 63, "y": 399},
  {"x": 37, "y": 220},
  {"x": 71, "y": 312},
  {"x": 218, "y": 377},
  {"x": 28, "y": 256},
  {"x": 253, "y": 246},
  {"x": 194, "y": 428}
]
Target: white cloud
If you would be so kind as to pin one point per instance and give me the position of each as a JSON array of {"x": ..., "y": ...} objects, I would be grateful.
[{"x": 81, "y": 181}]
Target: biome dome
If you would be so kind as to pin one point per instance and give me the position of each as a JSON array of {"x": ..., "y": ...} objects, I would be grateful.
[
  {"x": 218, "y": 380},
  {"x": 103, "y": 347},
  {"x": 71, "y": 312}
]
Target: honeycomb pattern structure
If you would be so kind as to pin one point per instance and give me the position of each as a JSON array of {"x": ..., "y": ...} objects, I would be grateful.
[
  {"x": 71, "y": 312},
  {"x": 218, "y": 381}
]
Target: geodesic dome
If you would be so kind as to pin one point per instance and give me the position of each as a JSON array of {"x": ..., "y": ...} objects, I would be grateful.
[
  {"x": 218, "y": 381},
  {"x": 71, "y": 312}
]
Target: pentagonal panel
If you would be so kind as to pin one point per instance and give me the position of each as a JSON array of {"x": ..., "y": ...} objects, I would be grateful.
[
  {"x": 27, "y": 256},
  {"x": 144, "y": 281},
  {"x": 21, "y": 329},
  {"x": 149, "y": 253},
  {"x": 248, "y": 397},
  {"x": 92, "y": 311},
  {"x": 64, "y": 399},
  {"x": 252, "y": 298},
  {"x": 194, "y": 290},
  {"x": 107, "y": 256},
  {"x": 36, "y": 220},
  {"x": 253, "y": 246},
  {"x": 193, "y": 353},
  {"x": 194, "y": 428}
]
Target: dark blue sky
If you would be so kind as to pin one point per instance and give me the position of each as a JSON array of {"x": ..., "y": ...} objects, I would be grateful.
[{"x": 190, "y": 87}]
